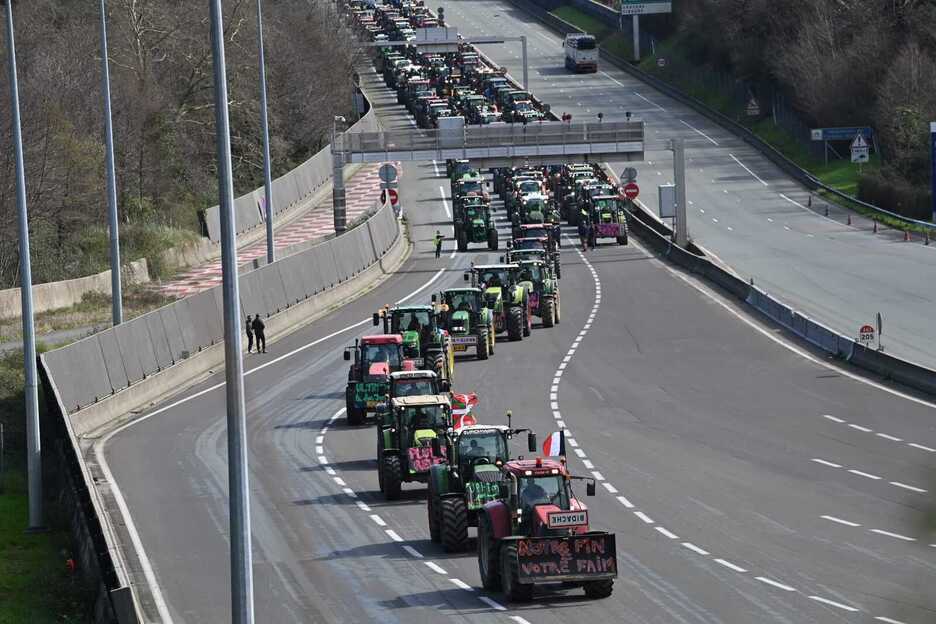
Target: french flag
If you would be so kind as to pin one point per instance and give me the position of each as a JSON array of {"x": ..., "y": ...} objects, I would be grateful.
[{"x": 554, "y": 444}]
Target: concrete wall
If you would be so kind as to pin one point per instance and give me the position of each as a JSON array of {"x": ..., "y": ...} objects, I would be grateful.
[{"x": 67, "y": 293}]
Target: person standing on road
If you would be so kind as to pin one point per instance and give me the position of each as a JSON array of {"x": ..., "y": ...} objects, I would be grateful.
[
  {"x": 250, "y": 335},
  {"x": 258, "y": 328},
  {"x": 438, "y": 243},
  {"x": 583, "y": 234}
]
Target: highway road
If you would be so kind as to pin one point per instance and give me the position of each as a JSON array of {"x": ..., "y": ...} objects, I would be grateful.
[
  {"x": 746, "y": 480},
  {"x": 742, "y": 208}
]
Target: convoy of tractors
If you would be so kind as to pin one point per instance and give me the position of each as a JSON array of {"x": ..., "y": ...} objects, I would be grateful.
[{"x": 531, "y": 529}]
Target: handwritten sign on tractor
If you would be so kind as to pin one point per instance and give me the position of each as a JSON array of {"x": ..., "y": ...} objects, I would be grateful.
[
  {"x": 369, "y": 393},
  {"x": 421, "y": 458},
  {"x": 481, "y": 492},
  {"x": 588, "y": 557}
]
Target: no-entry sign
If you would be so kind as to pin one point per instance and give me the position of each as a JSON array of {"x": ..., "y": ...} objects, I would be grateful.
[
  {"x": 394, "y": 196},
  {"x": 631, "y": 190}
]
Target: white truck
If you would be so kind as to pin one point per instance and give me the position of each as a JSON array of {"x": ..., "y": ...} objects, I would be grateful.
[{"x": 581, "y": 52}]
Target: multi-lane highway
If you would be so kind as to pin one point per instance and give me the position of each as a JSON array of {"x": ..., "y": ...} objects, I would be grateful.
[
  {"x": 746, "y": 480},
  {"x": 742, "y": 207}
]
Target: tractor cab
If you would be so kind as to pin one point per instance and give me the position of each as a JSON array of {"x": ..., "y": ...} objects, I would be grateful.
[
  {"x": 415, "y": 383},
  {"x": 405, "y": 440},
  {"x": 538, "y": 488},
  {"x": 468, "y": 321},
  {"x": 423, "y": 341}
]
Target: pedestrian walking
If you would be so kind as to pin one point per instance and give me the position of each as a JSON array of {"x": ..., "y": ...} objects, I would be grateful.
[
  {"x": 591, "y": 235},
  {"x": 258, "y": 328},
  {"x": 250, "y": 335},
  {"x": 583, "y": 234},
  {"x": 557, "y": 235},
  {"x": 438, "y": 243}
]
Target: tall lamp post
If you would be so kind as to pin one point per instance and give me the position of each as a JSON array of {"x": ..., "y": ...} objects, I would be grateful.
[
  {"x": 264, "y": 124},
  {"x": 116, "y": 289}
]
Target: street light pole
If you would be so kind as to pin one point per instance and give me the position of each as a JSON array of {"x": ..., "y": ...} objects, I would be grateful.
[
  {"x": 31, "y": 390},
  {"x": 116, "y": 288},
  {"x": 679, "y": 177},
  {"x": 264, "y": 124},
  {"x": 238, "y": 491},
  {"x": 338, "y": 188}
]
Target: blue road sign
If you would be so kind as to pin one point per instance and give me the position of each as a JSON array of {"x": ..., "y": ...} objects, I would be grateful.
[{"x": 840, "y": 134}]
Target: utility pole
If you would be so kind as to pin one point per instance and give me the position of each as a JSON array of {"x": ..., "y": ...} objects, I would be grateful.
[
  {"x": 679, "y": 177},
  {"x": 636, "y": 23},
  {"x": 116, "y": 288},
  {"x": 264, "y": 123},
  {"x": 31, "y": 391},
  {"x": 339, "y": 202},
  {"x": 526, "y": 79},
  {"x": 238, "y": 490}
]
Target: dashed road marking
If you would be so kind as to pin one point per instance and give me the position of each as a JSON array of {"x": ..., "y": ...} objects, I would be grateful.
[
  {"x": 832, "y": 603},
  {"x": 730, "y": 566},
  {"x": 773, "y": 583}
]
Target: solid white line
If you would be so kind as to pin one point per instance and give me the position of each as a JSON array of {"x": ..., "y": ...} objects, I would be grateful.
[
  {"x": 743, "y": 166},
  {"x": 598, "y": 476},
  {"x": 363, "y": 506},
  {"x": 461, "y": 584},
  {"x": 695, "y": 549},
  {"x": 435, "y": 567},
  {"x": 730, "y": 565},
  {"x": 764, "y": 579},
  {"x": 864, "y": 474},
  {"x": 713, "y": 141},
  {"x": 649, "y": 102},
  {"x": 378, "y": 520},
  {"x": 666, "y": 533},
  {"x": 921, "y": 447},
  {"x": 840, "y": 521},
  {"x": 588, "y": 465},
  {"x": 908, "y": 487},
  {"x": 491, "y": 603},
  {"x": 412, "y": 551},
  {"x": 833, "y": 603},
  {"x": 826, "y": 463},
  {"x": 623, "y": 500},
  {"x": 611, "y": 489},
  {"x": 888, "y": 437},
  {"x": 896, "y": 535},
  {"x": 393, "y": 535},
  {"x": 644, "y": 517},
  {"x": 833, "y": 418},
  {"x": 445, "y": 205},
  {"x": 860, "y": 428}
]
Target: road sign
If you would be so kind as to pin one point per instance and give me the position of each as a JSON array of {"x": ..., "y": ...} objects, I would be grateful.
[
  {"x": 645, "y": 7},
  {"x": 629, "y": 174},
  {"x": 631, "y": 190},
  {"x": 840, "y": 134},
  {"x": 753, "y": 107},
  {"x": 866, "y": 335},
  {"x": 667, "y": 195},
  {"x": 394, "y": 196},
  {"x": 388, "y": 173},
  {"x": 859, "y": 149},
  {"x": 661, "y": 62}
]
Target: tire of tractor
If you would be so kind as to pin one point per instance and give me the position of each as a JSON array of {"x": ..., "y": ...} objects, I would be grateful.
[
  {"x": 622, "y": 240},
  {"x": 380, "y": 448},
  {"x": 558, "y": 309},
  {"x": 438, "y": 365},
  {"x": 492, "y": 239},
  {"x": 599, "y": 589},
  {"x": 462, "y": 239},
  {"x": 355, "y": 416},
  {"x": 515, "y": 323},
  {"x": 483, "y": 344},
  {"x": 514, "y": 590},
  {"x": 392, "y": 477},
  {"x": 558, "y": 271},
  {"x": 488, "y": 556},
  {"x": 454, "y": 524},
  {"x": 435, "y": 521},
  {"x": 493, "y": 339},
  {"x": 548, "y": 311},
  {"x": 527, "y": 323}
]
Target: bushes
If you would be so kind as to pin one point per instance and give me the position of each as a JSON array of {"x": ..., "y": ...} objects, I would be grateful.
[{"x": 884, "y": 188}]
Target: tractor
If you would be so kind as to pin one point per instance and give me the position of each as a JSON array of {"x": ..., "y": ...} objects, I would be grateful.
[
  {"x": 468, "y": 321},
  {"x": 405, "y": 431},
  {"x": 468, "y": 479},
  {"x": 609, "y": 218},
  {"x": 506, "y": 298},
  {"x": 473, "y": 222},
  {"x": 424, "y": 341},
  {"x": 537, "y": 279},
  {"x": 375, "y": 358},
  {"x": 537, "y": 532}
]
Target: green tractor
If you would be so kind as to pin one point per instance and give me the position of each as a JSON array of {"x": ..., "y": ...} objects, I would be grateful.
[
  {"x": 468, "y": 185},
  {"x": 473, "y": 222},
  {"x": 537, "y": 279},
  {"x": 504, "y": 296},
  {"x": 424, "y": 340},
  {"x": 406, "y": 429},
  {"x": 469, "y": 479},
  {"x": 532, "y": 208},
  {"x": 468, "y": 321}
]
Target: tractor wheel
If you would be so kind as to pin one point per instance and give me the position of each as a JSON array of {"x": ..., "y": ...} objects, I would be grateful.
[
  {"x": 622, "y": 240},
  {"x": 435, "y": 520},
  {"x": 492, "y": 239},
  {"x": 527, "y": 321},
  {"x": 558, "y": 308},
  {"x": 558, "y": 270},
  {"x": 354, "y": 415},
  {"x": 514, "y": 590},
  {"x": 488, "y": 559},
  {"x": 380, "y": 448},
  {"x": 462, "y": 239},
  {"x": 515, "y": 323},
  {"x": 492, "y": 336},
  {"x": 599, "y": 589},
  {"x": 392, "y": 477},
  {"x": 548, "y": 311},
  {"x": 484, "y": 343},
  {"x": 454, "y": 524}
]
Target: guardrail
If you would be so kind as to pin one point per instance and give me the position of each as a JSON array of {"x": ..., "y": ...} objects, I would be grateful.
[{"x": 788, "y": 166}]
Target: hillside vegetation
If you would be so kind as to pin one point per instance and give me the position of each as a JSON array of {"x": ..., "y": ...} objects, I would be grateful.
[{"x": 162, "y": 84}]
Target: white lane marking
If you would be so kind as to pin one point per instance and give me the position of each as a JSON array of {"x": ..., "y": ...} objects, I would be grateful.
[
  {"x": 666, "y": 533},
  {"x": 412, "y": 551},
  {"x": 461, "y": 584},
  {"x": 840, "y": 521},
  {"x": 320, "y": 439},
  {"x": 713, "y": 141},
  {"x": 714, "y": 220},
  {"x": 623, "y": 500},
  {"x": 378, "y": 520},
  {"x": 695, "y": 549},
  {"x": 908, "y": 487},
  {"x": 730, "y": 229},
  {"x": 743, "y": 166},
  {"x": 330, "y": 471},
  {"x": 393, "y": 535},
  {"x": 895, "y": 535},
  {"x": 921, "y": 447},
  {"x": 349, "y": 492},
  {"x": 561, "y": 424},
  {"x": 773, "y": 583},
  {"x": 448, "y": 213},
  {"x": 650, "y": 103},
  {"x": 860, "y": 428},
  {"x": 340, "y": 481},
  {"x": 588, "y": 465},
  {"x": 571, "y": 442},
  {"x": 611, "y": 489},
  {"x": 363, "y": 506},
  {"x": 730, "y": 566},
  {"x": 887, "y": 620},
  {"x": 323, "y": 460},
  {"x": 580, "y": 453},
  {"x": 598, "y": 476},
  {"x": 435, "y": 165},
  {"x": 491, "y": 603},
  {"x": 866, "y": 475},
  {"x": 319, "y": 450},
  {"x": 435, "y": 567},
  {"x": 826, "y": 463},
  {"x": 647, "y": 519},
  {"x": 888, "y": 437},
  {"x": 833, "y": 603},
  {"x": 519, "y": 620}
]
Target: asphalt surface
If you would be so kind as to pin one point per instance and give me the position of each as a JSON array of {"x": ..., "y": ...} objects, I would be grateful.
[
  {"x": 703, "y": 428},
  {"x": 741, "y": 207}
]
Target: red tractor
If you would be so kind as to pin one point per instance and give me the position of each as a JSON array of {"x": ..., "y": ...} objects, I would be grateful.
[
  {"x": 537, "y": 532},
  {"x": 374, "y": 358}
]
